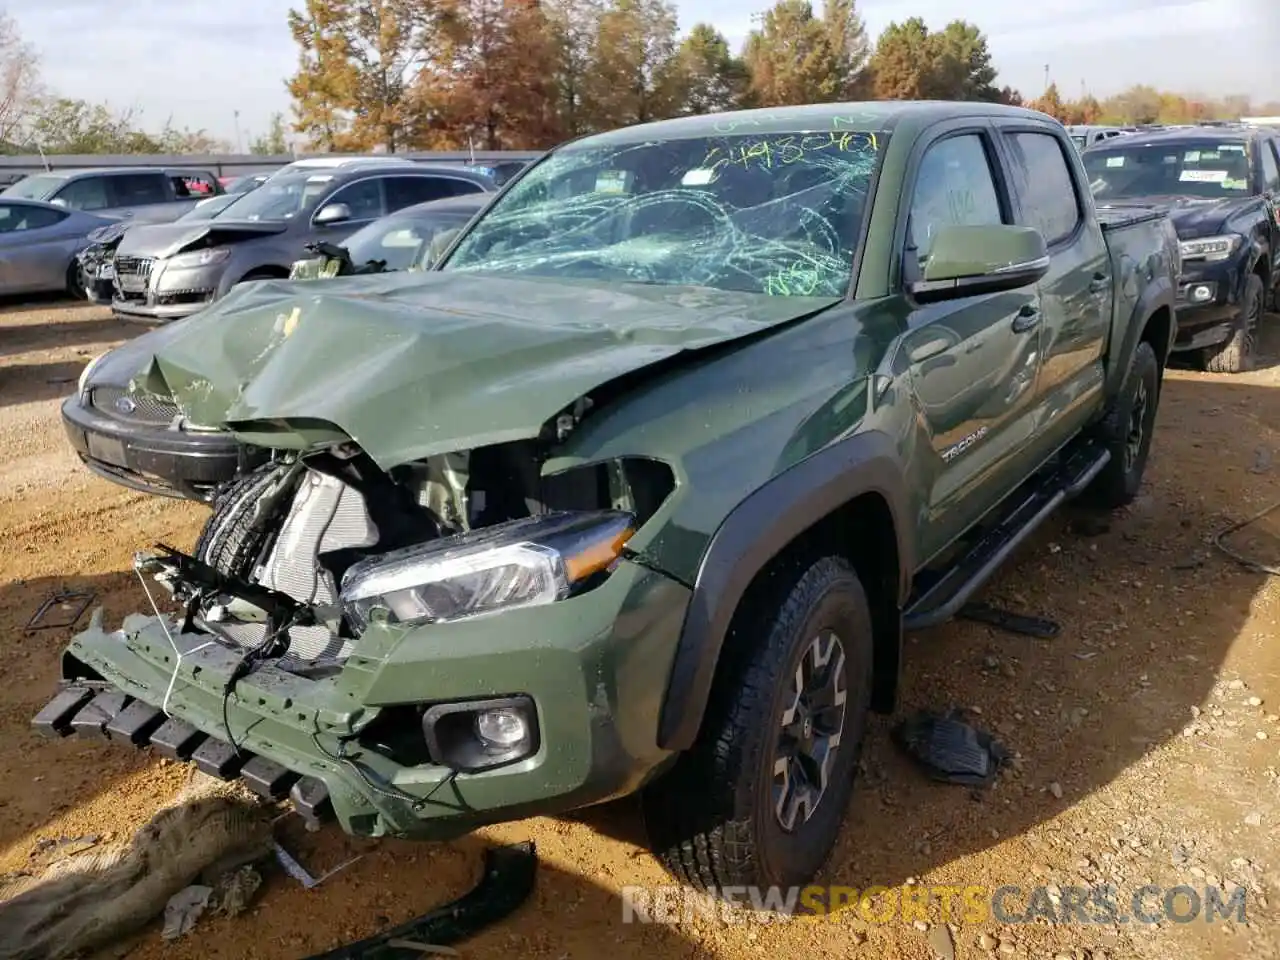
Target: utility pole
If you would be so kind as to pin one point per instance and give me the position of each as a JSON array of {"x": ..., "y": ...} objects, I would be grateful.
[
  {"x": 236, "y": 115},
  {"x": 1046, "y": 76}
]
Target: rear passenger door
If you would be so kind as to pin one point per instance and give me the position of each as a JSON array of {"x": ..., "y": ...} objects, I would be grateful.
[
  {"x": 407, "y": 189},
  {"x": 91, "y": 193},
  {"x": 973, "y": 361},
  {"x": 1075, "y": 295},
  {"x": 140, "y": 195}
]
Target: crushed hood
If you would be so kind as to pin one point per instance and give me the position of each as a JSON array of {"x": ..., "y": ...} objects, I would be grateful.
[
  {"x": 163, "y": 240},
  {"x": 411, "y": 365}
]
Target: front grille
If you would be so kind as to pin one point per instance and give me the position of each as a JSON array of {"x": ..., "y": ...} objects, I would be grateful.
[
  {"x": 120, "y": 403},
  {"x": 136, "y": 266},
  {"x": 133, "y": 274}
]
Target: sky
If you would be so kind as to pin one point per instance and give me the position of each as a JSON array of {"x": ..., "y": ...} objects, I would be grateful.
[{"x": 201, "y": 66}]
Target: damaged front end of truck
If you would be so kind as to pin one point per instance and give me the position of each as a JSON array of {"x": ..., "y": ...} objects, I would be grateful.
[{"x": 430, "y": 609}]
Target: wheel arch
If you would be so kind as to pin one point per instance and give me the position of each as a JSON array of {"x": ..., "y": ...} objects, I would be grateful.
[
  {"x": 849, "y": 499},
  {"x": 1153, "y": 320}
]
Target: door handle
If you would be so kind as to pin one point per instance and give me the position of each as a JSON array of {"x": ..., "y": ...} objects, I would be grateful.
[{"x": 1026, "y": 318}]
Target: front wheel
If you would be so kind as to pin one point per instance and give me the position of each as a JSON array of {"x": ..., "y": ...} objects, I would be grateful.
[
  {"x": 1236, "y": 355},
  {"x": 760, "y": 798}
]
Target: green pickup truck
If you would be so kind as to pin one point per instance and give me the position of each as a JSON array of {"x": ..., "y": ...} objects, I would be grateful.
[{"x": 640, "y": 487}]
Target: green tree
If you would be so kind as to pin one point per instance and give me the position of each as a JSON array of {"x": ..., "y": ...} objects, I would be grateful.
[
  {"x": 574, "y": 26},
  {"x": 796, "y": 57},
  {"x": 912, "y": 63},
  {"x": 634, "y": 74},
  {"x": 357, "y": 59},
  {"x": 711, "y": 78},
  {"x": 274, "y": 142}
]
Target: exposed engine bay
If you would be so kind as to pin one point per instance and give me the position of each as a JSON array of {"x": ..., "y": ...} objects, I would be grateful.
[{"x": 268, "y": 571}]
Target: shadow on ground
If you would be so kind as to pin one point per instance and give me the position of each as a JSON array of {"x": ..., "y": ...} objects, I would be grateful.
[
  {"x": 37, "y": 382},
  {"x": 62, "y": 334}
]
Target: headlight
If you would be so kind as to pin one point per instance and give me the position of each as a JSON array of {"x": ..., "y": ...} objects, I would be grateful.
[
  {"x": 1210, "y": 248},
  {"x": 84, "y": 374},
  {"x": 201, "y": 258},
  {"x": 522, "y": 563}
]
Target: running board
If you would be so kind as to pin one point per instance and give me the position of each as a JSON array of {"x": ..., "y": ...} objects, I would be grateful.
[{"x": 942, "y": 598}]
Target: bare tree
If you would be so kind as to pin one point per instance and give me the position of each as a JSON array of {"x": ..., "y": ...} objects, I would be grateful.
[{"x": 20, "y": 87}]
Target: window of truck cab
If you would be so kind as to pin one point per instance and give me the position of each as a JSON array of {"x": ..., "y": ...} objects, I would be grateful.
[
  {"x": 1201, "y": 168},
  {"x": 775, "y": 213},
  {"x": 957, "y": 182}
]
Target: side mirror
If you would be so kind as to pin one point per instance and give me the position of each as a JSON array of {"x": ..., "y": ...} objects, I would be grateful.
[
  {"x": 332, "y": 213},
  {"x": 969, "y": 260}
]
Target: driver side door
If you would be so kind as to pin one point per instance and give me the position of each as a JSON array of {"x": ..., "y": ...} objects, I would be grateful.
[{"x": 973, "y": 361}]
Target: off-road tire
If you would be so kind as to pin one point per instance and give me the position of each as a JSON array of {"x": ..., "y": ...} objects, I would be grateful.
[
  {"x": 711, "y": 818},
  {"x": 1236, "y": 355},
  {"x": 233, "y": 536},
  {"x": 1120, "y": 479}
]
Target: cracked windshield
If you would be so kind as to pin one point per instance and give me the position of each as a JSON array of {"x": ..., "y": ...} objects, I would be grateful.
[{"x": 778, "y": 214}]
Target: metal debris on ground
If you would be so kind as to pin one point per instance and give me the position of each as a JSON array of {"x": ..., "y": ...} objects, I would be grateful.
[
  {"x": 1029, "y": 626},
  {"x": 231, "y": 895},
  {"x": 296, "y": 870},
  {"x": 950, "y": 750},
  {"x": 71, "y": 603},
  {"x": 509, "y": 874}
]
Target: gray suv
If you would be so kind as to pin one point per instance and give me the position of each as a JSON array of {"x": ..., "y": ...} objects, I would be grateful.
[
  {"x": 168, "y": 271},
  {"x": 140, "y": 194}
]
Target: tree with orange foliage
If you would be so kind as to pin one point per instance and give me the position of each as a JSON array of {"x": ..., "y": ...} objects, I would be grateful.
[{"x": 491, "y": 83}]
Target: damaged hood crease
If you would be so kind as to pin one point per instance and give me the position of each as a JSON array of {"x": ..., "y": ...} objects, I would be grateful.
[{"x": 413, "y": 366}]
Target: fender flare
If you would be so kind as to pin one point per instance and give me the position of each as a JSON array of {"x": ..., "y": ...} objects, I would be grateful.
[
  {"x": 1157, "y": 294},
  {"x": 753, "y": 533}
]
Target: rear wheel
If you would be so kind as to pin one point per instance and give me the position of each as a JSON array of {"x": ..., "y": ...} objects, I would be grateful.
[
  {"x": 1126, "y": 432},
  {"x": 1237, "y": 354},
  {"x": 760, "y": 798}
]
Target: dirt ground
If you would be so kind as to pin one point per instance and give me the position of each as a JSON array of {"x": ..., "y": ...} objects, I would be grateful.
[{"x": 1146, "y": 732}]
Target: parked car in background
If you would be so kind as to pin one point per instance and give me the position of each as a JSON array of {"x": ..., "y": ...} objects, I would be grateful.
[
  {"x": 143, "y": 443},
  {"x": 250, "y": 181},
  {"x": 167, "y": 271},
  {"x": 39, "y": 243},
  {"x": 1086, "y": 135},
  {"x": 408, "y": 240},
  {"x": 1221, "y": 186},
  {"x": 143, "y": 194}
]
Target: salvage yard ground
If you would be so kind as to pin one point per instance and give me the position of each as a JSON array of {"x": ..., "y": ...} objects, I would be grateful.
[{"x": 1146, "y": 731}]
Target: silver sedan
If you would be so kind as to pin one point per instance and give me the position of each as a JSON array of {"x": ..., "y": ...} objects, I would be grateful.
[{"x": 38, "y": 246}]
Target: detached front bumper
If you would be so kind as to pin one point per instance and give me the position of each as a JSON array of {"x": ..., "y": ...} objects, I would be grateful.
[
  {"x": 154, "y": 458},
  {"x": 594, "y": 667}
]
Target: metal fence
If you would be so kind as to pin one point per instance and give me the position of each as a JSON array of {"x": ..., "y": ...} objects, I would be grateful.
[{"x": 225, "y": 165}]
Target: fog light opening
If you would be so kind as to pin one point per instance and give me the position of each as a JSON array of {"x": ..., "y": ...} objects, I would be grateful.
[
  {"x": 1201, "y": 293},
  {"x": 501, "y": 730},
  {"x": 478, "y": 735}
]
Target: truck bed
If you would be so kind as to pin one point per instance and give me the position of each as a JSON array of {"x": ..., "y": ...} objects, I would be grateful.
[{"x": 1121, "y": 215}]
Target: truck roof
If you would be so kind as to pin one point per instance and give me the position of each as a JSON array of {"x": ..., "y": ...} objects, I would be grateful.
[{"x": 874, "y": 116}]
